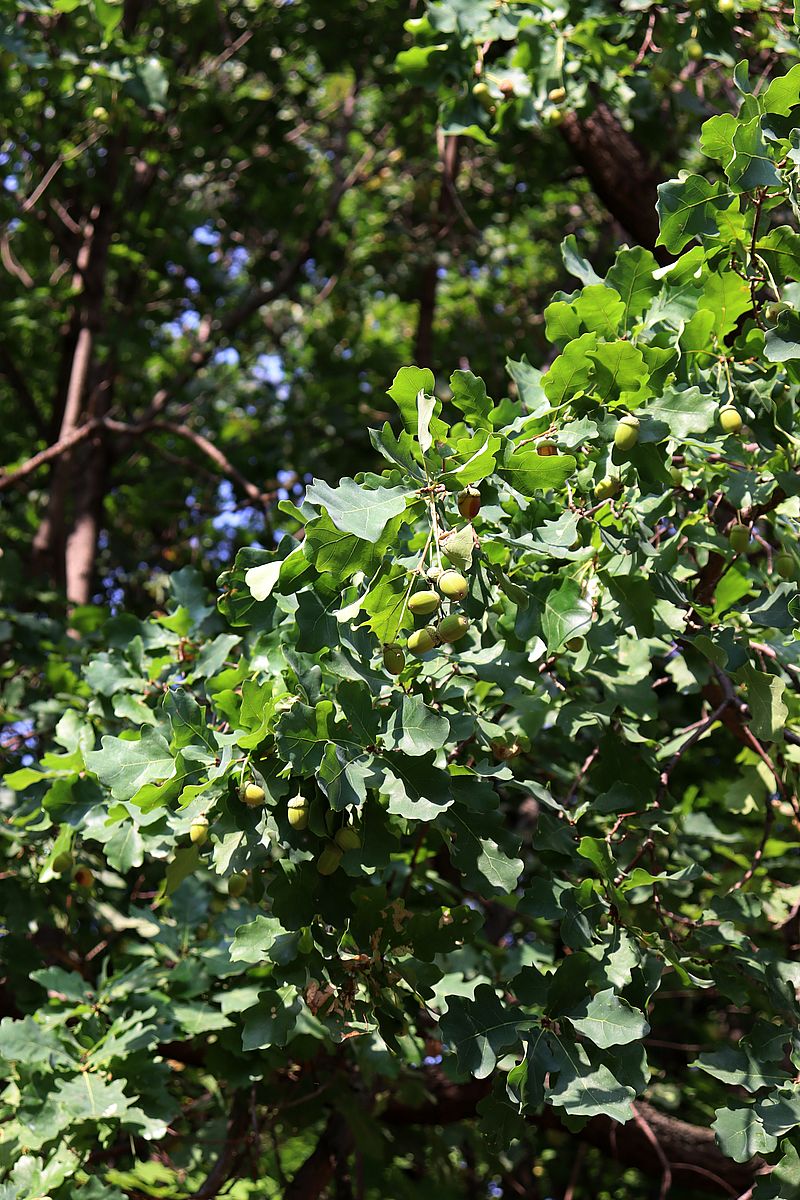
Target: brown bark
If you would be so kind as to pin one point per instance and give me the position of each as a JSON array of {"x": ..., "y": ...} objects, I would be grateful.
[
  {"x": 323, "y": 1163},
  {"x": 690, "y": 1150},
  {"x": 619, "y": 171}
]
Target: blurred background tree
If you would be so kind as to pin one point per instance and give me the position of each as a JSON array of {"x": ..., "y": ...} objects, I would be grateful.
[{"x": 223, "y": 226}]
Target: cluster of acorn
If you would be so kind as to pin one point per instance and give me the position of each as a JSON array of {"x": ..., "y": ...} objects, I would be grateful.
[
  {"x": 253, "y": 795},
  {"x": 448, "y": 584},
  {"x": 739, "y": 536},
  {"x": 82, "y": 876},
  {"x": 626, "y": 436}
]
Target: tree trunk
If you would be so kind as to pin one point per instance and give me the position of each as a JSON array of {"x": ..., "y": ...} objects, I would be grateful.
[
  {"x": 66, "y": 540},
  {"x": 619, "y": 171},
  {"x": 429, "y": 277}
]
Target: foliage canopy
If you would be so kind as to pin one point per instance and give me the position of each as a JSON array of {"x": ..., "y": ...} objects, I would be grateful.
[{"x": 290, "y": 905}]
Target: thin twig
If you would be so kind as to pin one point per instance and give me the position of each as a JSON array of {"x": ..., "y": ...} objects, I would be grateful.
[{"x": 666, "y": 1171}]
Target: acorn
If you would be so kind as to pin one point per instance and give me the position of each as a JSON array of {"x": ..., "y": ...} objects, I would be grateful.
[
  {"x": 557, "y": 94},
  {"x": 297, "y": 812},
  {"x": 484, "y": 97},
  {"x": 83, "y": 877},
  {"x": 730, "y": 418},
  {"x": 433, "y": 573},
  {"x": 62, "y": 862},
  {"x": 251, "y": 794},
  {"x": 469, "y": 502},
  {"x": 422, "y": 604},
  {"x": 421, "y": 641},
  {"x": 546, "y": 448},
  {"x": 785, "y": 564},
  {"x": 393, "y": 658},
  {"x": 607, "y": 488},
  {"x": 329, "y": 859},
  {"x": 452, "y": 628},
  {"x": 626, "y": 435},
  {"x": 347, "y": 838},
  {"x": 694, "y": 50},
  {"x": 198, "y": 831},
  {"x": 739, "y": 538},
  {"x": 453, "y": 585},
  {"x": 237, "y": 885}
]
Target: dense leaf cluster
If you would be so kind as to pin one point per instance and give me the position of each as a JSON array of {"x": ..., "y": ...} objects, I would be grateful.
[{"x": 507, "y": 878}]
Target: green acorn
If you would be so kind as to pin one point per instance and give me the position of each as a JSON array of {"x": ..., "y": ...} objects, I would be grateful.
[
  {"x": 453, "y": 585},
  {"x": 730, "y": 418},
  {"x": 452, "y": 628},
  {"x": 347, "y": 838},
  {"x": 198, "y": 832},
  {"x": 626, "y": 435},
  {"x": 739, "y": 538},
  {"x": 785, "y": 564},
  {"x": 237, "y": 886},
  {"x": 329, "y": 859},
  {"x": 251, "y": 794},
  {"x": 393, "y": 658},
  {"x": 607, "y": 488},
  {"x": 297, "y": 812},
  {"x": 421, "y": 641},
  {"x": 422, "y": 604}
]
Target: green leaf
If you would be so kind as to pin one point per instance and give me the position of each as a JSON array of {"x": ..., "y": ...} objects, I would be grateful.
[
  {"x": 565, "y": 615},
  {"x": 301, "y": 735},
  {"x": 570, "y": 373},
  {"x": 478, "y": 1030},
  {"x": 632, "y": 276},
  {"x": 408, "y": 383},
  {"x": 125, "y": 766},
  {"x": 125, "y": 849},
  {"x": 685, "y": 411},
  {"x": 688, "y": 208},
  {"x": 416, "y": 729},
  {"x": 469, "y": 395},
  {"x": 741, "y": 1134},
  {"x": 273, "y": 1020},
  {"x": 765, "y": 697},
  {"x": 88, "y": 1097},
  {"x": 783, "y": 341},
  {"x": 606, "y": 1020},
  {"x": 358, "y": 510},
  {"x": 385, "y": 604},
  {"x": 530, "y": 472}
]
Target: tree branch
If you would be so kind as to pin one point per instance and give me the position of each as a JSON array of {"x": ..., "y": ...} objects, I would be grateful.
[
  {"x": 232, "y": 1151},
  {"x": 689, "y": 1151},
  {"x": 334, "y": 1144},
  {"x": 108, "y": 424}
]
